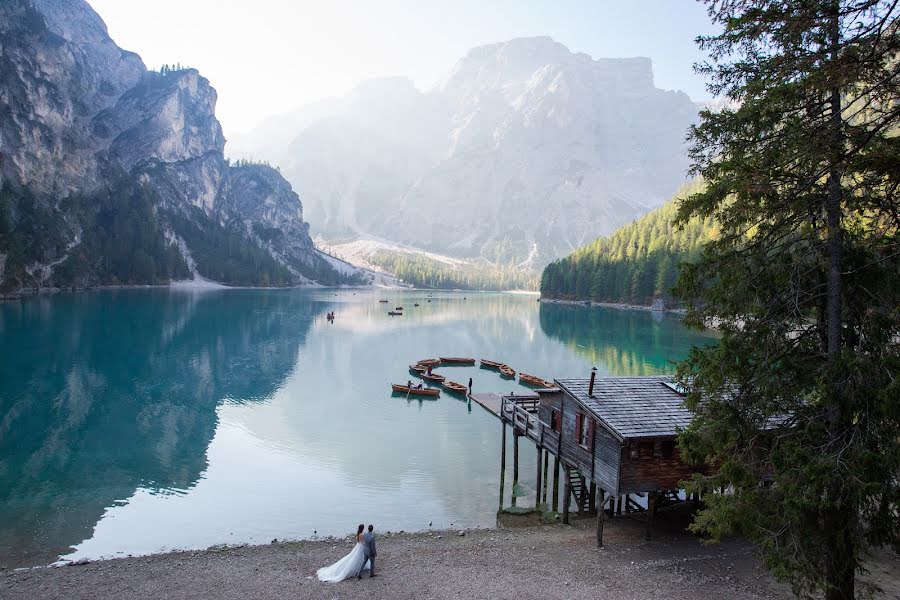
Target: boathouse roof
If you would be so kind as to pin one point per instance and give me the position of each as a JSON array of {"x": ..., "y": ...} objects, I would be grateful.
[{"x": 632, "y": 407}]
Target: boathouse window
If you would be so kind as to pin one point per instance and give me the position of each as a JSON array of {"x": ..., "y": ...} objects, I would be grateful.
[
  {"x": 555, "y": 420},
  {"x": 584, "y": 430},
  {"x": 646, "y": 449},
  {"x": 667, "y": 449}
]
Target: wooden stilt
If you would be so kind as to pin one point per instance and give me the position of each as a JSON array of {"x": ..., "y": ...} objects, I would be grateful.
[
  {"x": 502, "y": 462},
  {"x": 601, "y": 516},
  {"x": 515, "y": 484},
  {"x": 612, "y": 505},
  {"x": 567, "y": 496},
  {"x": 651, "y": 510},
  {"x": 555, "y": 483},
  {"x": 592, "y": 496},
  {"x": 537, "y": 487},
  {"x": 544, "y": 491}
]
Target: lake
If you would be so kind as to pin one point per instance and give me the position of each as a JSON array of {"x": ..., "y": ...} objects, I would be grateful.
[{"x": 137, "y": 421}]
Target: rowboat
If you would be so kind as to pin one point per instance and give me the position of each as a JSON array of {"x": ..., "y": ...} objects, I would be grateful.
[
  {"x": 395, "y": 313},
  {"x": 383, "y": 301},
  {"x": 453, "y": 387},
  {"x": 534, "y": 380},
  {"x": 433, "y": 377},
  {"x": 429, "y": 362},
  {"x": 456, "y": 360},
  {"x": 507, "y": 371},
  {"x": 416, "y": 304},
  {"x": 424, "y": 391},
  {"x": 417, "y": 369},
  {"x": 490, "y": 364},
  {"x": 398, "y": 308}
]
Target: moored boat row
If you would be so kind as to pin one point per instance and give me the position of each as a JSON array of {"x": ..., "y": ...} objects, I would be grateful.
[{"x": 534, "y": 381}]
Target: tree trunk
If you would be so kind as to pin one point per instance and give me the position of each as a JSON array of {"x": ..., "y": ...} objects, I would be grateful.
[{"x": 840, "y": 558}]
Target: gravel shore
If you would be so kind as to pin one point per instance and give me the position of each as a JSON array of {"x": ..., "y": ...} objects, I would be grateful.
[{"x": 545, "y": 562}]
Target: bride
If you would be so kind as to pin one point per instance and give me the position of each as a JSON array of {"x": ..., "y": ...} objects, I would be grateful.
[{"x": 349, "y": 566}]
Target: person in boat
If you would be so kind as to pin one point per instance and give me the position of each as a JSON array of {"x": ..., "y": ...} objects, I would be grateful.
[
  {"x": 409, "y": 383},
  {"x": 429, "y": 369},
  {"x": 419, "y": 387}
]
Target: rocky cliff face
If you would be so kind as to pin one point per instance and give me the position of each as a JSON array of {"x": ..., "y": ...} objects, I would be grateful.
[
  {"x": 87, "y": 135},
  {"x": 523, "y": 153}
]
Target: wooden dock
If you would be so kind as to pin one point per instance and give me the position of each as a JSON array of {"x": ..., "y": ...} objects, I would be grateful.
[{"x": 491, "y": 401}]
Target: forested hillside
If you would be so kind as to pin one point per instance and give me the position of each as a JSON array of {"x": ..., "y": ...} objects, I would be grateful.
[
  {"x": 425, "y": 272},
  {"x": 636, "y": 265}
]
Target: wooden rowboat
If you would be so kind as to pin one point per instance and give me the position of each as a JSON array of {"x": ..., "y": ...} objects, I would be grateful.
[
  {"x": 429, "y": 362},
  {"x": 490, "y": 364},
  {"x": 453, "y": 387},
  {"x": 507, "y": 371},
  {"x": 534, "y": 381},
  {"x": 433, "y": 377},
  {"x": 395, "y": 313},
  {"x": 383, "y": 301},
  {"x": 403, "y": 389},
  {"x": 417, "y": 369},
  {"x": 457, "y": 360}
]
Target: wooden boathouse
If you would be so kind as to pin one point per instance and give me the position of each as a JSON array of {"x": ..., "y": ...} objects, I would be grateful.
[{"x": 614, "y": 438}]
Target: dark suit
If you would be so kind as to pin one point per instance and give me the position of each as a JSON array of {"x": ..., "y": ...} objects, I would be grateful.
[{"x": 371, "y": 552}]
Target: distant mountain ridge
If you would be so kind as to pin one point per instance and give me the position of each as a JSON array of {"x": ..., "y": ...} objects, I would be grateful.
[
  {"x": 113, "y": 174},
  {"x": 523, "y": 153}
]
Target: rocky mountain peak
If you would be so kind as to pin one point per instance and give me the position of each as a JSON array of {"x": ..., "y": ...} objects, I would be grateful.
[{"x": 101, "y": 156}]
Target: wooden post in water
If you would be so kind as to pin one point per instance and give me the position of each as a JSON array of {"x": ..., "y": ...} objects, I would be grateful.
[
  {"x": 556, "y": 483},
  {"x": 567, "y": 496},
  {"x": 515, "y": 466},
  {"x": 544, "y": 491},
  {"x": 601, "y": 516},
  {"x": 537, "y": 487},
  {"x": 502, "y": 461},
  {"x": 651, "y": 510}
]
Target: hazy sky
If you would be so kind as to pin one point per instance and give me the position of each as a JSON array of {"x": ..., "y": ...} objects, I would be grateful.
[{"x": 268, "y": 56}]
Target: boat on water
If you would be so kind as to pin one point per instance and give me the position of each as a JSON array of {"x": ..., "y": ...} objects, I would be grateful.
[
  {"x": 457, "y": 360},
  {"x": 534, "y": 380},
  {"x": 395, "y": 313},
  {"x": 414, "y": 391},
  {"x": 416, "y": 304},
  {"x": 417, "y": 369},
  {"x": 433, "y": 377},
  {"x": 507, "y": 371},
  {"x": 383, "y": 301},
  {"x": 398, "y": 308},
  {"x": 490, "y": 364},
  {"x": 429, "y": 362},
  {"x": 453, "y": 387}
]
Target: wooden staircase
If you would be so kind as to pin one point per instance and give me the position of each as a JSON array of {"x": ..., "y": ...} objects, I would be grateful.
[{"x": 579, "y": 490}]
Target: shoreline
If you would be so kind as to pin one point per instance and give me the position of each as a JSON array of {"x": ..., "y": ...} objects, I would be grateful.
[
  {"x": 514, "y": 563},
  {"x": 616, "y": 305}
]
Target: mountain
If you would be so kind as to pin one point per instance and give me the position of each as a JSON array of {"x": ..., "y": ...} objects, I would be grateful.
[
  {"x": 637, "y": 264},
  {"x": 113, "y": 174},
  {"x": 523, "y": 153}
]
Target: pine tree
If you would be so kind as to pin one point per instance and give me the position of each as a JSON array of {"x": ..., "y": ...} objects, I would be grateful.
[{"x": 798, "y": 404}]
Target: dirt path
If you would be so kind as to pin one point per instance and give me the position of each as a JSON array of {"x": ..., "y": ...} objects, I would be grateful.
[{"x": 545, "y": 562}]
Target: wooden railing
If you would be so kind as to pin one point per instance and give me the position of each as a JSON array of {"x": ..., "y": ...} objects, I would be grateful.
[{"x": 521, "y": 413}]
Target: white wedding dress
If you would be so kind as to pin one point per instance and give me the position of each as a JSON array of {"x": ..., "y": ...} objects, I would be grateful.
[{"x": 349, "y": 566}]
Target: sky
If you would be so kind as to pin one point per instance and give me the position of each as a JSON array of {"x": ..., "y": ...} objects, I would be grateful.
[{"x": 267, "y": 57}]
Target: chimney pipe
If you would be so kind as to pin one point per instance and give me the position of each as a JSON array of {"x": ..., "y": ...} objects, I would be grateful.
[{"x": 591, "y": 384}]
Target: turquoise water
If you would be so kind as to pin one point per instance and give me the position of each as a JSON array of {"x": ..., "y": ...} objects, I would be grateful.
[{"x": 135, "y": 421}]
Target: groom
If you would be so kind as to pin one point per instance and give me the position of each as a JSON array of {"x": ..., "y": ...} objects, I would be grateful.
[{"x": 369, "y": 547}]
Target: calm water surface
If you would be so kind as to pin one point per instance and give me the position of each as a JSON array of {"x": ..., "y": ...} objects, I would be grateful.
[{"x": 134, "y": 421}]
